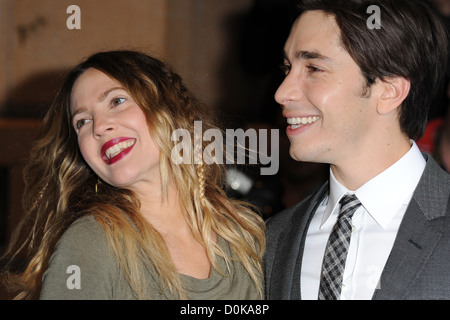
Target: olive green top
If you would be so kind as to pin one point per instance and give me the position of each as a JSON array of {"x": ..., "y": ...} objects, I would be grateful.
[{"x": 83, "y": 267}]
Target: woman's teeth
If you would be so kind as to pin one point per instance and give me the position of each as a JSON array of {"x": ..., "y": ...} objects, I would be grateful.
[
  {"x": 302, "y": 121},
  {"x": 118, "y": 148}
]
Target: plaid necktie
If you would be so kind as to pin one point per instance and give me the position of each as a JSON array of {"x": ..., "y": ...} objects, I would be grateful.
[{"x": 336, "y": 250}]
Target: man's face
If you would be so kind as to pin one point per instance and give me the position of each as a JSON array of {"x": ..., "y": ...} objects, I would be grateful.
[{"x": 329, "y": 116}]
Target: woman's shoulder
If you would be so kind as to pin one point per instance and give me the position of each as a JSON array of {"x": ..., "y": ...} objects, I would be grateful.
[
  {"x": 84, "y": 226},
  {"x": 81, "y": 265},
  {"x": 85, "y": 238}
]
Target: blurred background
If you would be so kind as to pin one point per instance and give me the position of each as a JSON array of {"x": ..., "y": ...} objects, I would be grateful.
[{"x": 227, "y": 51}]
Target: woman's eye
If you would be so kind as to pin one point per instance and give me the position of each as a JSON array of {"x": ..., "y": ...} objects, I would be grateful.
[
  {"x": 81, "y": 123},
  {"x": 116, "y": 101}
]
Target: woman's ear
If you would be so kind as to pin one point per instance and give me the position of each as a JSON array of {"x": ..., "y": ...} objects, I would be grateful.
[{"x": 393, "y": 92}]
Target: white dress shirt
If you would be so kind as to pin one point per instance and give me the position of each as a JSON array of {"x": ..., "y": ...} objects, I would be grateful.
[{"x": 384, "y": 200}]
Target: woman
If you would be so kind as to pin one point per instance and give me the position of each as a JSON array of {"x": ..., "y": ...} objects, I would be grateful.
[{"x": 110, "y": 216}]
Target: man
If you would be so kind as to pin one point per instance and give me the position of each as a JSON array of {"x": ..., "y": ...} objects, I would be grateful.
[{"x": 356, "y": 97}]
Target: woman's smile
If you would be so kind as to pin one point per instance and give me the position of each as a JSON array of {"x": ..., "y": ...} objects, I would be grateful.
[{"x": 116, "y": 149}]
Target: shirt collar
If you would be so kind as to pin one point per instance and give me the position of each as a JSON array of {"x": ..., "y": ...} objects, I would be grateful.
[{"x": 395, "y": 186}]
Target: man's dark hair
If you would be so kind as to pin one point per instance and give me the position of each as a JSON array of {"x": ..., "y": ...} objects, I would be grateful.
[{"x": 412, "y": 43}]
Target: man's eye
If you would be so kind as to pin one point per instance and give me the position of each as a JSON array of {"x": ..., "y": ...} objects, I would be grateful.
[
  {"x": 313, "y": 69},
  {"x": 285, "y": 68},
  {"x": 81, "y": 123},
  {"x": 116, "y": 101}
]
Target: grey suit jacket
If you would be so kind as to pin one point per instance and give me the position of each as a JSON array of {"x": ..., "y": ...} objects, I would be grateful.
[{"x": 418, "y": 266}]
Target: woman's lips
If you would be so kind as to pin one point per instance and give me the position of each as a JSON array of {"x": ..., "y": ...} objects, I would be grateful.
[{"x": 115, "y": 149}]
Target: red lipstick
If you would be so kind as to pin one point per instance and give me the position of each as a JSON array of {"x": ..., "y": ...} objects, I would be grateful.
[{"x": 123, "y": 147}]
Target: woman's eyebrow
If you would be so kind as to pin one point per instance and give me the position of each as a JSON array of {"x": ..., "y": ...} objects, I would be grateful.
[
  {"x": 78, "y": 110},
  {"x": 100, "y": 99},
  {"x": 105, "y": 94}
]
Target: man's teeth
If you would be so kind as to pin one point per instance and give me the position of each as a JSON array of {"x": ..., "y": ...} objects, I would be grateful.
[
  {"x": 118, "y": 148},
  {"x": 300, "y": 122}
]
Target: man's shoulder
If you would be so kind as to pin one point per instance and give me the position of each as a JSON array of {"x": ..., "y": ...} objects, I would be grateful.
[
  {"x": 433, "y": 192},
  {"x": 284, "y": 219},
  {"x": 280, "y": 218}
]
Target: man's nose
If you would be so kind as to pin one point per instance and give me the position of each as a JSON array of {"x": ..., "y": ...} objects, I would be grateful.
[{"x": 289, "y": 90}]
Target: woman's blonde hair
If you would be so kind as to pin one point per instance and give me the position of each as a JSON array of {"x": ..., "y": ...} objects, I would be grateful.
[{"x": 60, "y": 186}]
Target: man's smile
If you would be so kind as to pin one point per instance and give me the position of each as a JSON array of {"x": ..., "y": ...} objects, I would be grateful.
[{"x": 298, "y": 122}]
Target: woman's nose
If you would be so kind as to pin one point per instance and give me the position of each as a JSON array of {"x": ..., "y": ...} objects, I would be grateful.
[{"x": 103, "y": 124}]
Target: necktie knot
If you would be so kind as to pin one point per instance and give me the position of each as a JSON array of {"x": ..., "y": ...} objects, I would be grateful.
[{"x": 349, "y": 204}]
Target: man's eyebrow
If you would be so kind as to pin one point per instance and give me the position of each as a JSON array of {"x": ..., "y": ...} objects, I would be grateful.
[{"x": 309, "y": 55}]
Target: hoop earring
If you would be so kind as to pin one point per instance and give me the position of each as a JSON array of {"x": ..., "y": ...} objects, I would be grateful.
[{"x": 97, "y": 184}]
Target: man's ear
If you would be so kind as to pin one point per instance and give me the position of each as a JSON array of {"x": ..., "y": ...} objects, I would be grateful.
[{"x": 393, "y": 92}]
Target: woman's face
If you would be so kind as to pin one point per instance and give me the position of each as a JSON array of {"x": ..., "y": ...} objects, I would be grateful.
[{"x": 113, "y": 133}]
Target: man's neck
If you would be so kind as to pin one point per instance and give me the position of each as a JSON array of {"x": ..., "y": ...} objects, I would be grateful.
[{"x": 355, "y": 171}]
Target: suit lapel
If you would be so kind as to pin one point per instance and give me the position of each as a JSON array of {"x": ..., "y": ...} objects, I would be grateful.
[
  {"x": 286, "y": 281},
  {"x": 416, "y": 239},
  {"x": 418, "y": 235}
]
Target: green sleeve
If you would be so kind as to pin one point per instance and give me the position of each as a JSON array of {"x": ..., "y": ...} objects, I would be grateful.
[{"x": 81, "y": 266}]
